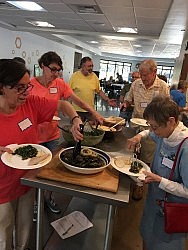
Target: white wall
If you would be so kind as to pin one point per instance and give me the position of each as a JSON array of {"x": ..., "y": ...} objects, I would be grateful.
[{"x": 33, "y": 46}]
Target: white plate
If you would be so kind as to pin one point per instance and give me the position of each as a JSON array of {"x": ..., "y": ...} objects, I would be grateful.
[
  {"x": 139, "y": 121},
  {"x": 114, "y": 119},
  {"x": 15, "y": 161},
  {"x": 56, "y": 118},
  {"x": 123, "y": 164}
]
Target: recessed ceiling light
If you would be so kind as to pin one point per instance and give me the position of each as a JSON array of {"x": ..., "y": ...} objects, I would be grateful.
[
  {"x": 137, "y": 45},
  {"x": 100, "y": 24},
  {"x": 40, "y": 24},
  {"x": 27, "y": 5},
  {"x": 115, "y": 37},
  {"x": 94, "y": 42},
  {"x": 126, "y": 30}
]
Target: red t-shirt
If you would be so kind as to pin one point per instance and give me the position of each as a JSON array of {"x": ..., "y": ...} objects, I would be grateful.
[
  {"x": 57, "y": 90},
  {"x": 21, "y": 127}
]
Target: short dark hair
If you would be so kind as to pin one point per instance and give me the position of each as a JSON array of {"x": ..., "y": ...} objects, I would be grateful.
[
  {"x": 163, "y": 77},
  {"x": 50, "y": 57},
  {"x": 160, "y": 109},
  {"x": 84, "y": 60},
  {"x": 19, "y": 59},
  {"x": 11, "y": 71}
]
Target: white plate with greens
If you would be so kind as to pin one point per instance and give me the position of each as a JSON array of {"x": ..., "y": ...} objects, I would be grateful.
[
  {"x": 123, "y": 164},
  {"x": 38, "y": 156}
]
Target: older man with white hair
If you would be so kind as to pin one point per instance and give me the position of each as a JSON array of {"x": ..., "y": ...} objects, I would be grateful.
[{"x": 141, "y": 94}]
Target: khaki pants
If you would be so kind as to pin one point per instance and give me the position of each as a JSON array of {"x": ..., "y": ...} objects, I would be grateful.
[{"x": 16, "y": 217}]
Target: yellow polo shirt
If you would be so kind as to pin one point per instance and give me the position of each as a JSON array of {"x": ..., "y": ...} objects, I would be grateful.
[{"x": 85, "y": 88}]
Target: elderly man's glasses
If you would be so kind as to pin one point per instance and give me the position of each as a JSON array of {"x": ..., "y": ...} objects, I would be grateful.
[
  {"x": 22, "y": 88},
  {"x": 54, "y": 70},
  {"x": 135, "y": 77}
]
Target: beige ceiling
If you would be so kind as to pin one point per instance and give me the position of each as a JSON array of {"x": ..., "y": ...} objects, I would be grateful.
[{"x": 161, "y": 24}]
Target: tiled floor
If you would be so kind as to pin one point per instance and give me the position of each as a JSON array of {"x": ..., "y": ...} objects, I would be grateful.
[{"x": 126, "y": 223}]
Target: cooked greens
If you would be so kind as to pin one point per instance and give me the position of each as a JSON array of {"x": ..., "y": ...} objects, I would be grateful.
[
  {"x": 26, "y": 152},
  {"x": 83, "y": 161},
  {"x": 135, "y": 167}
]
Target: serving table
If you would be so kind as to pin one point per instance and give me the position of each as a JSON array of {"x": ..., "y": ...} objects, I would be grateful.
[{"x": 114, "y": 146}]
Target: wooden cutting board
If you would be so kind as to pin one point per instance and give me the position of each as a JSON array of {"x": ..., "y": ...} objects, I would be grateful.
[{"x": 107, "y": 180}]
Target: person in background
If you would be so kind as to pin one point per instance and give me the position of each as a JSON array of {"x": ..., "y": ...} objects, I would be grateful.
[
  {"x": 167, "y": 132},
  {"x": 119, "y": 78},
  {"x": 85, "y": 85},
  {"x": 163, "y": 77},
  {"x": 108, "y": 85},
  {"x": 110, "y": 81},
  {"x": 50, "y": 86},
  {"x": 141, "y": 93},
  {"x": 20, "y": 113},
  {"x": 179, "y": 96},
  {"x": 126, "y": 112},
  {"x": 173, "y": 86}
]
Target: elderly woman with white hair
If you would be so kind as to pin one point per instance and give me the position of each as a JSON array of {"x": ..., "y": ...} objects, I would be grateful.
[{"x": 162, "y": 116}]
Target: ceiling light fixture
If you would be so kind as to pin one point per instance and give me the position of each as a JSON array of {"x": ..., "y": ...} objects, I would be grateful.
[
  {"x": 137, "y": 45},
  {"x": 40, "y": 24},
  {"x": 93, "y": 42},
  {"x": 27, "y": 5},
  {"x": 86, "y": 9},
  {"x": 100, "y": 24},
  {"x": 121, "y": 38},
  {"x": 126, "y": 30}
]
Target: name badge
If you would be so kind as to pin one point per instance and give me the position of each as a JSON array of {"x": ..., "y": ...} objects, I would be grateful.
[
  {"x": 143, "y": 104},
  {"x": 156, "y": 92},
  {"x": 24, "y": 124},
  {"x": 167, "y": 162},
  {"x": 53, "y": 90}
]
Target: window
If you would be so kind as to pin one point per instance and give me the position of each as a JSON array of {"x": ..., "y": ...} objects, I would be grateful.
[
  {"x": 166, "y": 71},
  {"x": 111, "y": 68}
]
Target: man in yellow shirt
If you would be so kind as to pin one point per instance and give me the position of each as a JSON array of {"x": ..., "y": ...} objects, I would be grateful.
[{"x": 85, "y": 84}]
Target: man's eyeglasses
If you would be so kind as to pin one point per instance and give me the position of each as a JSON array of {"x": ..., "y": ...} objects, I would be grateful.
[
  {"x": 55, "y": 70},
  {"x": 22, "y": 88},
  {"x": 135, "y": 77}
]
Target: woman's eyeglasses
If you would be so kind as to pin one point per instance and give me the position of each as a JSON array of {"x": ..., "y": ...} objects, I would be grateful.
[
  {"x": 153, "y": 127},
  {"x": 22, "y": 88},
  {"x": 55, "y": 70}
]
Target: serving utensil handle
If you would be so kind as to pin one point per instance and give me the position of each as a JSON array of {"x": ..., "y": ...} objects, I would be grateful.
[
  {"x": 77, "y": 147},
  {"x": 117, "y": 124}
]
